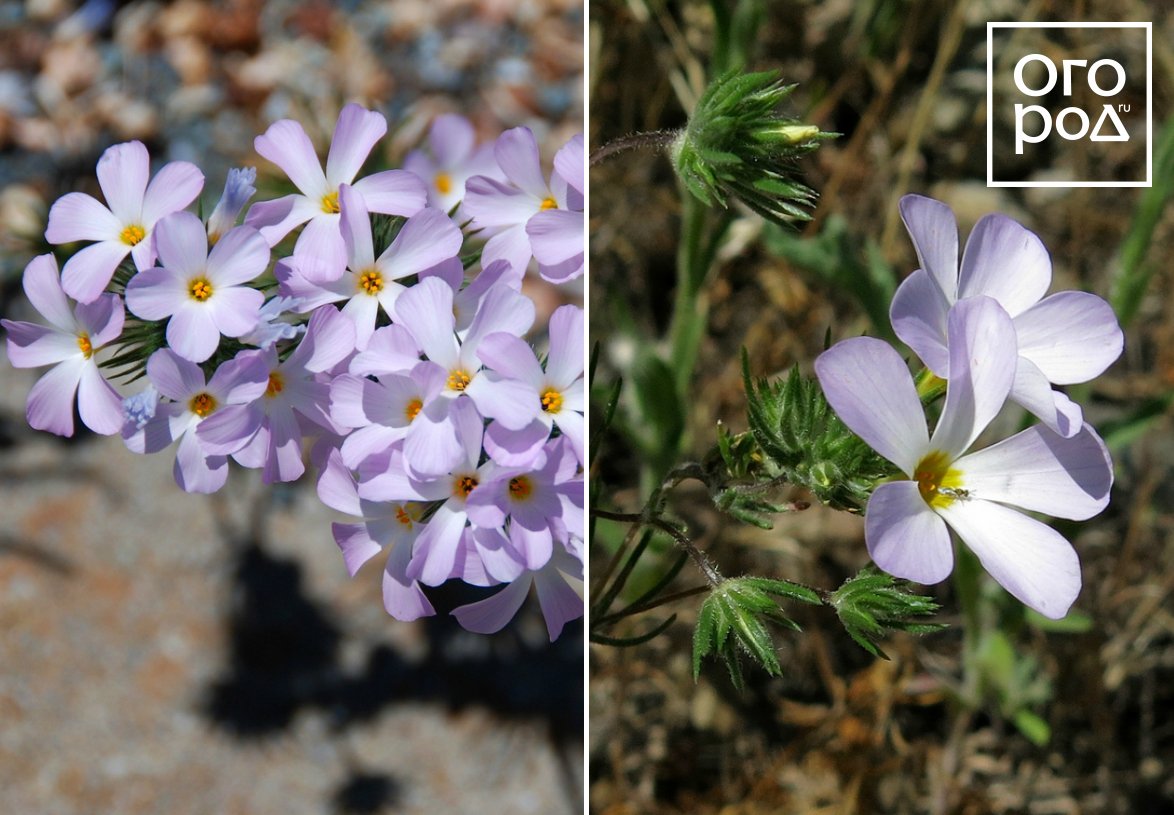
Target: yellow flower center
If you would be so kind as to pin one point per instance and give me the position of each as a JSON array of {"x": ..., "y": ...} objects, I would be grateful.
[
  {"x": 413, "y": 409},
  {"x": 371, "y": 282},
  {"x": 552, "y": 400},
  {"x": 458, "y": 380},
  {"x": 132, "y": 235},
  {"x": 276, "y": 384},
  {"x": 202, "y": 404},
  {"x": 443, "y": 183},
  {"x": 200, "y": 289},
  {"x": 520, "y": 488},
  {"x": 407, "y": 514},
  {"x": 330, "y": 203},
  {"x": 938, "y": 484},
  {"x": 462, "y": 485},
  {"x": 548, "y": 203},
  {"x": 83, "y": 342}
]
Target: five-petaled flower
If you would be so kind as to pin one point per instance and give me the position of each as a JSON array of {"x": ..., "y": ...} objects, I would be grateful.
[{"x": 868, "y": 385}]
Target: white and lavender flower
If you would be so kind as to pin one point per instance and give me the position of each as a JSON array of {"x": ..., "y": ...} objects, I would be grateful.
[
  {"x": 945, "y": 486},
  {"x": 68, "y": 343},
  {"x": 1062, "y": 339},
  {"x": 126, "y": 223}
]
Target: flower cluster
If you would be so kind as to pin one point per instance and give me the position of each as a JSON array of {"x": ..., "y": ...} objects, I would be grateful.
[
  {"x": 387, "y": 347},
  {"x": 986, "y": 328}
]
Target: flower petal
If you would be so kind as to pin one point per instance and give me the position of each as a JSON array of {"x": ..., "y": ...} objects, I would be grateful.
[
  {"x": 51, "y": 400},
  {"x": 559, "y": 601},
  {"x": 320, "y": 252},
  {"x": 182, "y": 244},
  {"x": 356, "y": 545},
  {"x": 450, "y": 139},
  {"x": 564, "y": 362},
  {"x": 570, "y": 161},
  {"x": 515, "y": 404},
  {"x": 195, "y": 470},
  {"x": 98, "y": 403},
  {"x": 355, "y": 135},
  {"x": 905, "y": 537},
  {"x": 240, "y": 256},
  {"x": 982, "y": 367},
  {"x": 1041, "y": 471},
  {"x": 516, "y": 151},
  {"x": 155, "y": 294},
  {"x": 512, "y": 357},
  {"x": 123, "y": 171},
  {"x": 867, "y": 384},
  {"x": 1071, "y": 336},
  {"x": 402, "y": 597},
  {"x": 1032, "y": 391},
  {"x": 1029, "y": 559},
  {"x": 86, "y": 274},
  {"x": 174, "y": 187},
  {"x": 286, "y": 144},
  {"x": 276, "y": 219},
  {"x": 1006, "y": 261},
  {"x": 173, "y": 376},
  {"x": 435, "y": 553},
  {"x": 355, "y": 225},
  {"x": 556, "y": 235},
  {"x": 918, "y": 314},
  {"x": 493, "y": 613},
  {"x": 427, "y": 239},
  {"x": 425, "y": 310},
  {"x": 192, "y": 332},
  {"x": 76, "y": 216},
  {"x": 236, "y": 310},
  {"x": 42, "y": 286},
  {"x": 393, "y": 192},
  {"x": 32, "y": 346},
  {"x": 934, "y": 232}
]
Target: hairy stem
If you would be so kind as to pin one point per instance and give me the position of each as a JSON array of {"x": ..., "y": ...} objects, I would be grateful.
[{"x": 635, "y": 141}]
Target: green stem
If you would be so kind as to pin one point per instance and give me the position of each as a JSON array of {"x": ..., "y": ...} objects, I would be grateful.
[{"x": 967, "y": 583}]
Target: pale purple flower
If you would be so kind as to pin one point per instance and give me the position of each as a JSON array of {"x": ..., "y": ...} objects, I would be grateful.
[
  {"x": 125, "y": 224},
  {"x": 238, "y": 189},
  {"x": 558, "y": 585},
  {"x": 438, "y": 551},
  {"x": 69, "y": 344},
  {"x": 271, "y": 328},
  {"x": 453, "y": 158},
  {"x": 906, "y": 520},
  {"x": 426, "y": 311},
  {"x": 380, "y": 410},
  {"x": 386, "y": 525},
  {"x": 202, "y": 292},
  {"x": 529, "y": 498},
  {"x": 319, "y": 249},
  {"x": 427, "y": 239},
  {"x": 557, "y": 235},
  {"x": 504, "y": 208},
  {"x": 1063, "y": 339},
  {"x": 268, "y": 431},
  {"x": 236, "y": 382},
  {"x": 559, "y": 387}
]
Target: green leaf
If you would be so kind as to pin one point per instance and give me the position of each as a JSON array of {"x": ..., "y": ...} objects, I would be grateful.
[
  {"x": 1035, "y": 729},
  {"x": 871, "y": 605}
]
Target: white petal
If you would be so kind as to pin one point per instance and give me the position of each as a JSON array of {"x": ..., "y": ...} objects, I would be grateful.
[
  {"x": 867, "y": 384},
  {"x": 982, "y": 368},
  {"x": 1071, "y": 336},
  {"x": 1032, "y": 391},
  {"x": 1041, "y": 471},
  {"x": 1006, "y": 261},
  {"x": 934, "y": 232},
  {"x": 1030, "y": 560},
  {"x": 905, "y": 537},
  {"x": 918, "y": 315}
]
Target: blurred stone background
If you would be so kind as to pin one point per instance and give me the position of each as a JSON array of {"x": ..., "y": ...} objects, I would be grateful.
[{"x": 164, "y": 652}]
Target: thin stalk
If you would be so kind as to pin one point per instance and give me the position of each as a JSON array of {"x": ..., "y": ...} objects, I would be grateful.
[
  {"x": 635, "y": 141},
  {"x": 967, "y": 583}
]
